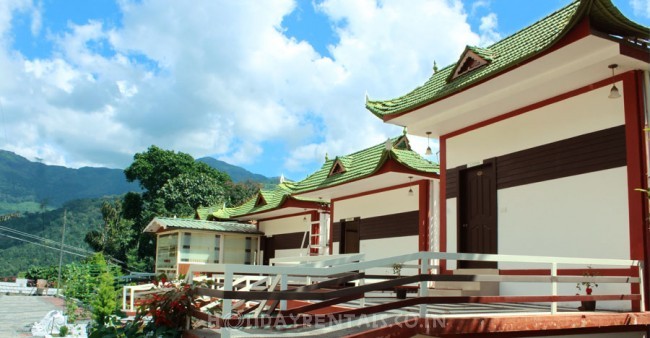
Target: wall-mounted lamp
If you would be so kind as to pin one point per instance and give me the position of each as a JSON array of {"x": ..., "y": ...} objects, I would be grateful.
[
  {"x": 613, "y": 93},
  {"x": 428, "y": 152},
  {"x": 410, "y": 193}
]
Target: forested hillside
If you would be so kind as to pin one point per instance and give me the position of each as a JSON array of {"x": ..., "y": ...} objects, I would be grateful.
[
  {"x": 81, "y": 217},
  {"x": 33, "y": 186}
]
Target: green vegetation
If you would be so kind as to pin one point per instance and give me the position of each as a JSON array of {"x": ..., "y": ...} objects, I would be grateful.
[
  {"x": 173, "y": 184},
  {"x": 18, "y": 256},
  {"x": 32, "y": 186}
]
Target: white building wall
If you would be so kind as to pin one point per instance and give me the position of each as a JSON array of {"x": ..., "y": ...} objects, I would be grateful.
[
  {"x": 284, "y": 226},
  {"x": 577, "y": 216},
  {"x": 578, "y": 115},
  {"x": 379, "y": 204},
  {"x": 589, "y": 220},
  {"x": 375, "y": 205}
]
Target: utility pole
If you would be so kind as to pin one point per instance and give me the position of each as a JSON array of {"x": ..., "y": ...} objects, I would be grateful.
[{"x": 58, "y": 283}]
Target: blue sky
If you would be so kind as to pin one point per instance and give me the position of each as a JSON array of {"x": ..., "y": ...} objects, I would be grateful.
[{"x": 268, "y": 85}]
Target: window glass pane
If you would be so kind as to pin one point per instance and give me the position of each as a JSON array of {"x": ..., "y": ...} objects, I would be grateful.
[{"x": 167, "y": 247}]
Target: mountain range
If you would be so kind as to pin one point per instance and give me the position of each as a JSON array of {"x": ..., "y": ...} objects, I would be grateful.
[{"x": 32, "y": 186}]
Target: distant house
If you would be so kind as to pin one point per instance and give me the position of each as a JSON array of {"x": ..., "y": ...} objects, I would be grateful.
[
  {"x": 542, "y": 143},
  {"x": 287, "y": 221},
  {"x": 180, "y": 242},
  {"x": 375, "y": 198}
]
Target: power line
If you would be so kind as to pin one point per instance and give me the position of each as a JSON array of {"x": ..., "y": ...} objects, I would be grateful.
[
  {"x": 43, "y": 245},
  {"x": 86, "y": 253},
  {"x": 43, "y": 239}
]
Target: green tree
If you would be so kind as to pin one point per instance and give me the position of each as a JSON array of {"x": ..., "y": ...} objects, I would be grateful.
[
  {"x": 184, "y": 193},
  {"x": 104, "y": 303},
  {"x": 174, "y": 185},
  {"x": 114, "y": 238},
  {"x": 238, "y": 193},
  {"x": 155, "y": 167}
]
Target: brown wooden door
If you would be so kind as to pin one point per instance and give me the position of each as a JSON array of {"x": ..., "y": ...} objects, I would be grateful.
[
  {"x": 477, "y": 228},
  {"x": 350, "y": 235},
  {"x": 269, "y": 249}
]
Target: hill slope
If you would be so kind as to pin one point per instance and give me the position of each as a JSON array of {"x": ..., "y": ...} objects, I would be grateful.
[
  {"x": 237, "y": 174},
  {"x": 33, "y": 186},
  {"x": 18, "y": 255},
  {"x": 23, "y": 181}
]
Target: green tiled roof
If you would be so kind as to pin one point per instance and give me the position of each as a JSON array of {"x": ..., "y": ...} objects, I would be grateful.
[
  {"x": 513, "y": 50},
  {"x": 364, "y": 163},
  {"x": 273, "y": 198},
  {"x": 184, "y": 223},
  {"x": 357, "y": 165}
]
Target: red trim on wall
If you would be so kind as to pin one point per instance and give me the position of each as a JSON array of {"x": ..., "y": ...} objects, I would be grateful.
[
  {"x": 625, "y": 272},
  {"x": 284, "y": 216},
  {"x": 288, "y": 203},
  {"x": 314, "y": 228},
  {"x": 331, "y": 228},
  {"x": 423, "y": 192},
  {"x": 636, "y": 171},
  {"x": 443, "y": 201},
  {"x": 633, "y": 52},
  {"x": 538, "y": 105},
  {"x": 578, "y": 32},
  {"x": 376, "y": 191},
  {"x": 389, "y": 166}
]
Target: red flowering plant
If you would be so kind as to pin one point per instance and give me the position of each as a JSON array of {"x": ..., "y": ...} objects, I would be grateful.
[
  {"x": 170, "y": 311},
  {"x": 588, "y": 285}
]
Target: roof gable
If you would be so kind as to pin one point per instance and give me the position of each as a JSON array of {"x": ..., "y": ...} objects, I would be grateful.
[
  {"x": 471, "y": 59},
  {"x": 365, "y": 163},
  {"x": 337, "y": 168},
  {"x": 260, "y": 201}
]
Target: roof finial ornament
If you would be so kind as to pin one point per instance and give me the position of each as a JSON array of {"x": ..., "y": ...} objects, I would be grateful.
[
  {"x": 367, "y": 99},
  {"x": 388, "y": 144},
  {"x": 404, "y": 131},
  {"x": 435, "y": 67},
  {"x": 327, "y": 158},
  {"x": 281, "y": 178}
]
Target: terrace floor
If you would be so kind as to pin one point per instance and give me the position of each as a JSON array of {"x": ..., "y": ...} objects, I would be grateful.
[
  {"x": 443, "y": 320},
  {"x": 18, "y": 313}
]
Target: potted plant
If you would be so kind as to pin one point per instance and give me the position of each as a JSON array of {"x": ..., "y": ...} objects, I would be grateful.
[
  {"x": 397, "y": 269},
  {"x": 400, "y": 292},
  {"x": 588, "y": 286}
]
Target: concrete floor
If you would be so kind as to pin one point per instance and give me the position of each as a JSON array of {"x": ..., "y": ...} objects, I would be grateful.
[{"x": 18, "y": 313}]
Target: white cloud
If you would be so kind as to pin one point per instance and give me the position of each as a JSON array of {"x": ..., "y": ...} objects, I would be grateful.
[
  {"x": 488, "y": 29},
  {"x": 221, "y": 78},
  {"x": 641, "y": 7}
]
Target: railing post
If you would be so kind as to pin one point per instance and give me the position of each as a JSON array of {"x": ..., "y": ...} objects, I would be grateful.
[
  {"x": 423, "y": 292},
  {"x": 283, "y": 287},
  {"x": 132, "y": 299},
  {"x": 362, "y": 301},
  {"x": 227, "y": 286},
  {"x": 641, "y": 287},
  {"x": 124, "y": 297},
  {"x": 553, "y": 287}
]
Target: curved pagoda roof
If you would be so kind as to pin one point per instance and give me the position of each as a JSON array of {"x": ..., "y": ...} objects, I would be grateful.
[
  {"x": 334, "y": 172},
  {"x": 365, "y": 163},
  {"x": 513, "y": 50}
]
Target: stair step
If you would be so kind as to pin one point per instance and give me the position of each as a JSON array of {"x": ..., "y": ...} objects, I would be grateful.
[
  {"x": 476, "y": 272},
  {"x": 474, "y": 286},
  {"x": 445, "y": 292}
]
